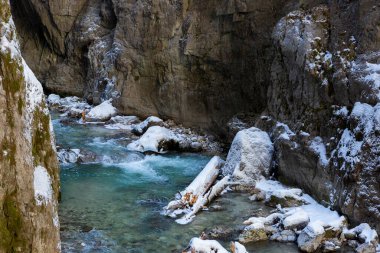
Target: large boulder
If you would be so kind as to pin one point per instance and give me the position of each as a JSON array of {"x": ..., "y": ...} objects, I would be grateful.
[
  {"x": 156, "y": 139},
  {"x": 103, "y": 112},
  {"x": 296, "y": 219},
  {"x": 250, "y": 156},
  {"x": 311, "y": 237}
]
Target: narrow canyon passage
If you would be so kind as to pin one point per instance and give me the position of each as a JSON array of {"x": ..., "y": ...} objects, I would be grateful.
[
  {"x": 114, "y": 203},
  {"x": 189, "y": 126}
]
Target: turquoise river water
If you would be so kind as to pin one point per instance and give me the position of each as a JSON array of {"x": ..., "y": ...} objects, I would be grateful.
[{"x": 114, "y": 205}]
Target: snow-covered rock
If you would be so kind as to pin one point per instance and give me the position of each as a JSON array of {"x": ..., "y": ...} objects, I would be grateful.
[
  {"x": 155, "y": 139},
  {"x": 68, "y": 155},
  {"x": 53, "y": 99},
  {"x": 205, "y": 246},
  {"x": 253, "y": 233},
  {"x": 285, "y": 198},
  {"x": 367, "y": 237},
  {"x": 311, "y": 237},
  {"x": 238, "y": 248},
  {"x": 66, "y": 104},
  {"x": 250, "y": 156},
  {"x": 122, "y": 122},
  {"x": 296, "y": 219},
  {"x": 139, "y": 129},
  {"x": 261, "y": 221},
  {"x": 102, "y": 112}
]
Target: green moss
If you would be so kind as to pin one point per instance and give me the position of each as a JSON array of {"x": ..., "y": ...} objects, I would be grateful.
[
  {"x": 11, "y": 71},
  {"x": 11, "y": 226},
  {"x": 42, "y": 151},
  {"x": 5, "y": 11},
  {"x": 12, "y": 83}
]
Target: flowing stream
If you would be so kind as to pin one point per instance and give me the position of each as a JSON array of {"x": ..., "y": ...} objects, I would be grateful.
[{"x": 114, "y": 204}]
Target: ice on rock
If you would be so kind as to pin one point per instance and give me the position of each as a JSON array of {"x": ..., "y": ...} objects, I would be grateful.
[
  {"x": 250, "y": 156},
  {"x": 102, "y": 112}
]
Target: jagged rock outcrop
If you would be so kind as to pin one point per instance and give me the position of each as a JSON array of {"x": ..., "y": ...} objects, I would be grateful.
[{"x": 28, "y": 165}]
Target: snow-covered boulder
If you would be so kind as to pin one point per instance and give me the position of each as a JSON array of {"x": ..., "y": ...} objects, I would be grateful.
[
  {"x": 53, "y": 99},
  {"x": 67, "y": 104},
  {"x": 68, "y": 155},
  {"x": 155, "y": 139},
  {"x": 296, "y": 219},
  {"x": 366, "y": 236},
  {"x": 205, "y": 246},
  {"x": 102, "y": 112},
  {"x": 250, "y": 156},
  {"x": 141, "y": 128},
  {"x": 311, "y": 237}
]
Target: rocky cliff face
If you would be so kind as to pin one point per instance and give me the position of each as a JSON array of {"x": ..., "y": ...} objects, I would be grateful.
[
  {"x": 193, "y": 61},
  {"x": 28, "y": 166},
  {"x": 312, "y": 66},
  {"x": 325, "y": 87}
]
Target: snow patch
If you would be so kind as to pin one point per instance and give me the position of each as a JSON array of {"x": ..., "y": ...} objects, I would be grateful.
[
  {"x": 43, "y": 192},
  {"x": 205, "y": 246},
  {"x": 319, "y": 148},
  {"x": 313, "y": 209}
]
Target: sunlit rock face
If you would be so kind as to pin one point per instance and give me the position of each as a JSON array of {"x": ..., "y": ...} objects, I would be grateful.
[{"x": 29, "y": 176}]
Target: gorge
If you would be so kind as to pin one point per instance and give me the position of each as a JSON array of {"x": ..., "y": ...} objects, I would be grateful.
[{"x": 303, "y": 74}]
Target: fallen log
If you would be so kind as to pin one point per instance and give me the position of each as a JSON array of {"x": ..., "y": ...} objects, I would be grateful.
[
  {"x": 204, "y": 200},
  {"x": 199, "y": 193}
]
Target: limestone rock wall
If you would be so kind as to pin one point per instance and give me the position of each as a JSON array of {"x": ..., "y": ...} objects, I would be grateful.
[
  {"x": 29, "y": 175},
  {"x": 198, "y": 62}
]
